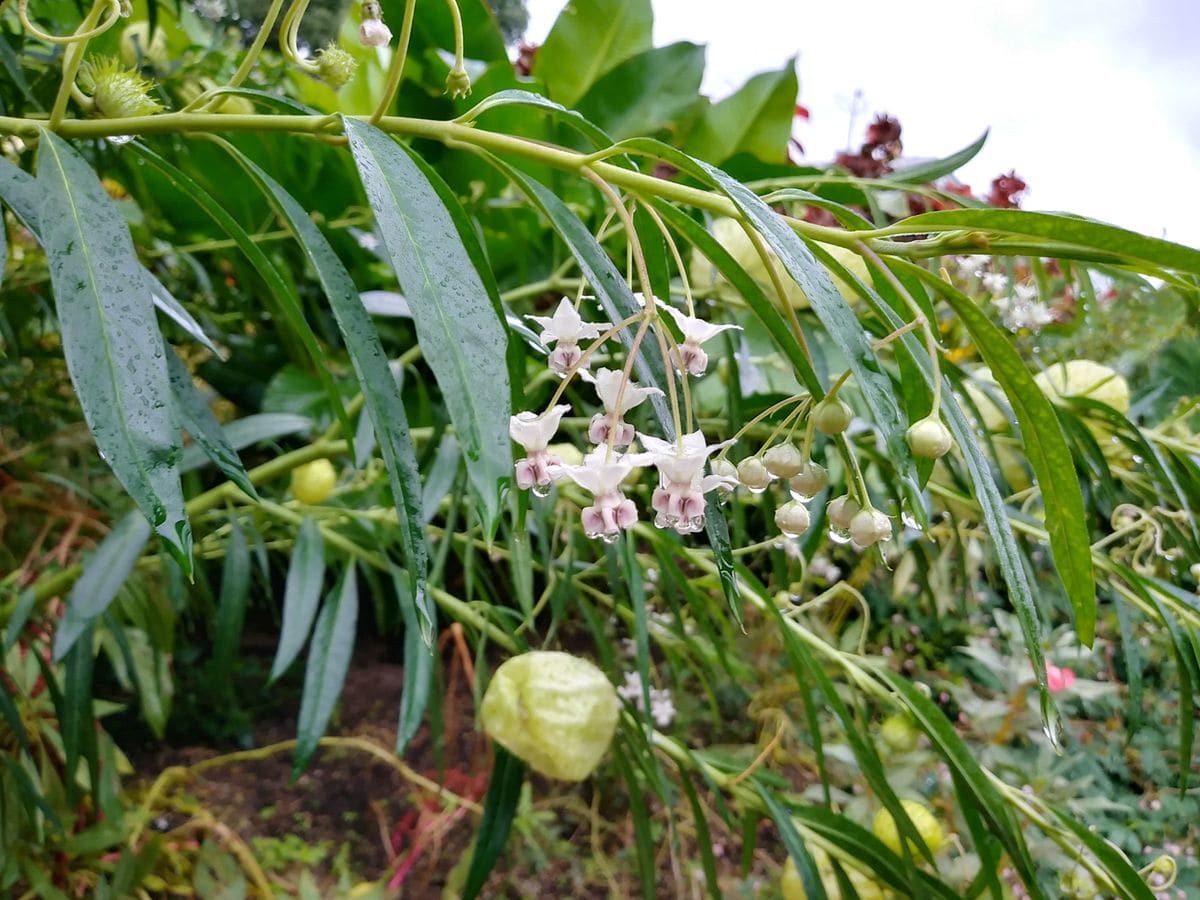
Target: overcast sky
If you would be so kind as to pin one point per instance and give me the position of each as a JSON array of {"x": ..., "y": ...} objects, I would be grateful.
[{"x": 1095, "y": 103}]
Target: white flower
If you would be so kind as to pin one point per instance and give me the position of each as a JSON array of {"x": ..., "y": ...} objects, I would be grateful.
[
  {"x": 995, "y": 282},
  {"x": 608, "y": 385},
  {"x": 662, "y": 709},
  {"x": 691, "y": 358},
  {"x": 601, "y": 475},
  {"x": 539, "y": 469},
  {"x": 534, "y": 432},
  {"x": 970, "y": 266},
  {"x": 373, "y": 33},
  {"x": 679, "y": 500},
  {"x": 566, "y": 329},
  {"x": 608, "y": 388}
]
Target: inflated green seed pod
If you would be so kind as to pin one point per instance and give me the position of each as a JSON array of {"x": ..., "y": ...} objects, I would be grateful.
[
  {"x": 118, "y": 92},
  {"x": 555, "y": 711}
]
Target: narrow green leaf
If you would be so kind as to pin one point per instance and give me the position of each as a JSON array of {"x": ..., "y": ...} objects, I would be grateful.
[
  {"x": 499, "y": 808},
  {"x": 381, "y": 393},
  {"x": 588, "y": 38},
  {"x": 301, "y": 595},
  {"x": 197, "y": 419},
  {"x": 26, "y": 787},
  {"x": 810, "y": 877},
  {"x": 231, "y": 605},
  {"x": 104, "y": 572},
  {"x": 76, "y": 718},
  {"x": 328, "y": 662},
  {"x": 463, "y": 338},
  {"x": 111, "y": 340},
  {"x": 962, "y": 761},
  {"x": 704, "y": 842},
  {"x": 418, "y": 667},
  {"x": 1062, "y": 229},
  {"x": 12, "y": 715},
  {"x": 250, "y": 430},
  {"x": 936, "y": 168},
  {"x": 717, "y": 529},
  {"x": 643, "y": 836},
  {"x": 287, "y": 304},
  {"x": 23, "y": 609},
  {"x": 175, "y": 311},
  {"x": 1047, "y": 451},
  {"x": 501, "y": 99},
  {"x": 1125, "y": 877}
]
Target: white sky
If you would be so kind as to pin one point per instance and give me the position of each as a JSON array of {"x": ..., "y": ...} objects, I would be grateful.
[{"x": 1095, "y": 103}]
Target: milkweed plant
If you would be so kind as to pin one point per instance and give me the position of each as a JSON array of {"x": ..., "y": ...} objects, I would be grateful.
[{"x": 829, "y": 526}]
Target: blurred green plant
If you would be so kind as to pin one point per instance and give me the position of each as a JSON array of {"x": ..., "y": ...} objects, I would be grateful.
[{"x": 236, "y": 251}]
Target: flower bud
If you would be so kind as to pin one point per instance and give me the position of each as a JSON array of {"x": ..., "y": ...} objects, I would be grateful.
[
  {"x": 458, "y": 82},
  {"x": 832, "y": 416},
  {"x": 313, "y": 482},
  {"x": 841, "y": 512},
  {"x": 809, "y": 481},
  {"x": 929, "y": 438},
  {"x": 724, "y": 469},
  {"x": 870, "y": 526},
  {"x": 753, "y": 474},
  {"x": 555, "y": 711},
  {"x": 118, "y": 93},
  {"x": 927, "y": 825},
  {"x": 792, "y": 519},
  {"x": 372, "y": 32},
  {"x": 336, "y": 66},
  {"x": 899, "y": 733},
  {"x": 783, "y": 460}
]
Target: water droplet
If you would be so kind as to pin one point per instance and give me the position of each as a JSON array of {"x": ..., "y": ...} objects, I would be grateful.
[
  {"x": 910, "y": 522},
  {"x": 540, "y": 490},
  {"x": 118, "y": 139},
  {"x": 609, "y": 537},
  {"x": 838, "y": 536}
]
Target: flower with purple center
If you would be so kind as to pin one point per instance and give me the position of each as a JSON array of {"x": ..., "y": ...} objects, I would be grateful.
[
  {"x": 608, "y": 388},
  {"x": 601, "y": 475},
  {"x": 538, "y": 470},
  {"x": 678, "y": 501},
  {"x": 565, "y": 329},
  {"x": 690, "y": 356}
]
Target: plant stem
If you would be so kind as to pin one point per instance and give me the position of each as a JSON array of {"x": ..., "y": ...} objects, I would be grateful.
[{"x": 396, "y": 70}]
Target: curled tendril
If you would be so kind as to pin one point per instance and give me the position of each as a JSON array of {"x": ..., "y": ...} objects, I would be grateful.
[
  {"x": 1163, "y": 866},
  {"x": 116, "y": 9}
]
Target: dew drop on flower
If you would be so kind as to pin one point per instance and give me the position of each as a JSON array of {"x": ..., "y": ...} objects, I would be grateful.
[
  {"x": 839, "y": 536},
  {"x": 540, "y": 490},
  {"x": 118, "y": 139},
  {"x": 910, "y": 522},
  {"x": 609, "y": 537}
]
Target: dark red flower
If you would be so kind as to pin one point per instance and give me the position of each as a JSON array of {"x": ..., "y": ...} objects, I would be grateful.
[{"x": 1006, "y": 191}]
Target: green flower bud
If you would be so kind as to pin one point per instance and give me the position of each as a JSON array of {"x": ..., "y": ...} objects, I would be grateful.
[
  {"x": 841, "y": 512},
  {"x": 555, "y": 711},
  {"x": 870, "y": 526},
  {"x": 753, "y": 474},
  {"x": 832, "y": 416},
  {"x": 458, "y": 82},
  {"x": 929, "y": 438},
  {"x": 809, "y": 481},
  {"x": 792, "y": 519},
  {"x": 118, "y": 93},
  {"x": 336, "y": 66}
]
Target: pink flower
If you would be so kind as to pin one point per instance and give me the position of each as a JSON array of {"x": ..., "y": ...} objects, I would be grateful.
[
  {"x": 609, "y": 387},
  {"x": 679, "y": 498},
  {"x": 691, "y": 358},
  {"x": 611, "y": 511},
  {"x": 566, "y": 329},
  {"x": 1058, "y": 680},
  {"x": 539, "y": 469},
  {"x": 373, "y": 33}
]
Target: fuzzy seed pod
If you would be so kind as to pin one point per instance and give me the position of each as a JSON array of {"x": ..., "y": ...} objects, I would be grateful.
[
  {"x": 929, "y": 438},
  {"x": 792, "y": 519},
  {"x": 922, "y": 817},
  {"x": 335, "y": 66},
  {"x": 555, "y": 711},
  {"x": 753, "y": 474},
  {"x": 313, "y": 482},
  {"x": 832, "y": 416},
  {"x": 809, "y": 481},
  {"x": 783, "y": 460},
  {"x": 870, "y": 526},
  {"x": 841, "y": 512},
  {"x": 118, "y": 93}
]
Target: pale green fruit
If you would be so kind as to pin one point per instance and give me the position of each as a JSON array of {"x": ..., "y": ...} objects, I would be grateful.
[
  {"x": 899, "y": 733},
  {"x": 832, "y": 416},
  {"x": 730, "y": 234},
  {"x": 783, "y": 460},
  {"x": 929, "y": 438},
  {"x": 555, "y": 711},
  {"x": 927, "y": 825},
  {"x": 1084, "y": 378},
  {"x": 313, "y": 482},
  {"x": 792, "y": 887}
]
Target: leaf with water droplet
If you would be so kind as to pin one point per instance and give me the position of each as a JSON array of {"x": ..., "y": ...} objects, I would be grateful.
[{"x": 110, "y": 338}]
